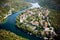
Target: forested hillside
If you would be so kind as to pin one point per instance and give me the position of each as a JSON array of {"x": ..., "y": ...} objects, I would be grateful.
[
  {"x": 7, "y": 35},
  {"x": 9, "y": 6}
]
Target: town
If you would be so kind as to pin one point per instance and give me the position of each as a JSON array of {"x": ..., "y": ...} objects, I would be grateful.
[{"x": 36, "y": 21}]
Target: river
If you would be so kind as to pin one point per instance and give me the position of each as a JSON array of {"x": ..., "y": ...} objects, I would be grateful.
[{"x": 11, "y": 25}]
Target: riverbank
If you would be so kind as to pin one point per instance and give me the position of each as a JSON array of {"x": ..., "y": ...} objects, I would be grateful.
[{"x": 7, "y": 35}]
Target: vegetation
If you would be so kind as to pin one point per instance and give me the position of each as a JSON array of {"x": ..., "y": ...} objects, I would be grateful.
[
  {"x": 7, "y": 35},
  {"x": 57, "y": 1},
  {"x": 12, "y": 6},
  {"x": 54, "y": 16},
  {"x": 55, "y": 19},
  {"x": 52, "y": 4}
]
